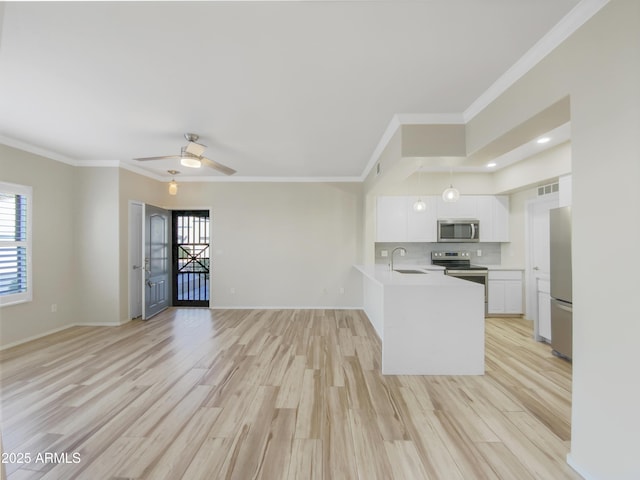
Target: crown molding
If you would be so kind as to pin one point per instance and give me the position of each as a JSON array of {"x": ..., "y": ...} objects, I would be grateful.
[
  {"x": 400, "y": 119},
  {"x": 249, "y": 179},
  {"x": 42, "y": 152},
  {"x": 577, "y": 17},
  {"x": 573, "y": 20},
  {"x": 100, "y": 163}
]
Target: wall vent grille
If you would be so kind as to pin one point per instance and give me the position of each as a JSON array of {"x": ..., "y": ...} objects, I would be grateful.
[{"x": 547, "y": 189}]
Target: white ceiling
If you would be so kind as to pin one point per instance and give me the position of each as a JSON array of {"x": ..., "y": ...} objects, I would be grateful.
[{"x": 287, "y": 90}]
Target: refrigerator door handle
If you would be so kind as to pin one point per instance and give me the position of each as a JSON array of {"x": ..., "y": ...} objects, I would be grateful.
[{"x": 563, "y": 307}]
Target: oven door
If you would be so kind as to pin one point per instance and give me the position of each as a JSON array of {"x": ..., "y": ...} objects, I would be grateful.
[{"x": 477, "y": 276}]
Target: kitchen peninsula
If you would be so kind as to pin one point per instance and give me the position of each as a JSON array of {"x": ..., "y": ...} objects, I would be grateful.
[{"x": 428, "y": 323}]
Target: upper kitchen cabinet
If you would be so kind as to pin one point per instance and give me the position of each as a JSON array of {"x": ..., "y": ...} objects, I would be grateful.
[
  {"x": 397, "y": 221},
  {"x": 391, "y": 219},
  {"x": 465, "y": 207},
  {"x": 422, "y": 226},
  {"x": 493, "y": 213}
]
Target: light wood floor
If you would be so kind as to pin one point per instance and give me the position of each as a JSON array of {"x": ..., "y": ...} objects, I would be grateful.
[{"x": 202, "y": 394}]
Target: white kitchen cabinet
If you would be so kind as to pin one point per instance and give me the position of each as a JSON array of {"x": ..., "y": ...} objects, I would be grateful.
[
  {"x": 505, "y": 292},
  {"x": 493, "y": 213},
  {"x": 465, "y": 207},
  {"x": 544, "y": 309},
  {"x": 422, "y": 226},
  {"x": 391, "y": 219},
  {"x": 396, "y": 221},
  {"x": 499, "y": 218}
]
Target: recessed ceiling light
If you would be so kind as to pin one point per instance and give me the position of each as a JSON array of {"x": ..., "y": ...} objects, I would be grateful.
[
  {"x": 543, "y": 140},
  {"x": 491, "y": 164}
]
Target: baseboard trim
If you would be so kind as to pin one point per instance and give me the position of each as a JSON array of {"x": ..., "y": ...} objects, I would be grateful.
[
  {"x": 101, "y": 324},
  {"x": 34, "y": 337},
  {"x": 56, "y": 330},
  {"x": 114, "y": 324},
  {"x": 236, "y": 307},
  {"x": 571, "y": 462}
]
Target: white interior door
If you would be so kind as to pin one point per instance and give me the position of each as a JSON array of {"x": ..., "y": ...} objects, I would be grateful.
[
  {"x": 157, "y": 261},
  {"x": 538, "y": 265},
  {"x": 135, "y": 260}
]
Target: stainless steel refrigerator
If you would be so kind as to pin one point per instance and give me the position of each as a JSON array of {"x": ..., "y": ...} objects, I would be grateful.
[{"x": 561, "y": 287}]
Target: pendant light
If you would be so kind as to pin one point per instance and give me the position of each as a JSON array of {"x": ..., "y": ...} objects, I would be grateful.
[
  {"x": 451, "y": 194},
  {"x": 173, "y": 185},
  {"x": 419, "y": 206}
]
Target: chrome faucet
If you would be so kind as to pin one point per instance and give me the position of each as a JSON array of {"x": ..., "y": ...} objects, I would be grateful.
[{"x": 402, "y": 252}]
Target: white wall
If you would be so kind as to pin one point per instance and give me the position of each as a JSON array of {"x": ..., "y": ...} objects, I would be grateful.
[
  {"x": 54, "y": 246},
  {"x": 538, "y": 169},
  {"x": 96, "y": 253},
  {"x": 599, "y": 67},
  {"x": 514, "y": 253},
  {"x": 278, "y": 245},
  {"x": 282, "y": 244}
]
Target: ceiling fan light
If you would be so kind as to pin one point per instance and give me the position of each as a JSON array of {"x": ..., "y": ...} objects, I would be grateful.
[
  {"x": 451, "y": 194},
  {"x": 190, "y": 162},
  {"x": 173, "y": 187},
  {"x": 419, "y": 206}
]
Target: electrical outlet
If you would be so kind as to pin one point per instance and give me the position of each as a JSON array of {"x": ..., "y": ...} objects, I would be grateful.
[
  {"x": 233, "y": 291},
  {"x": 54, "y": 307},
  {"x": 384, "y": 253},
  {"x": 479, "y": 252},
  {"x": 341, "y": 290}
]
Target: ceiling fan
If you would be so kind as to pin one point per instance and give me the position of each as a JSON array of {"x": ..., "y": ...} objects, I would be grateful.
[{"x": 191, "y": 156}]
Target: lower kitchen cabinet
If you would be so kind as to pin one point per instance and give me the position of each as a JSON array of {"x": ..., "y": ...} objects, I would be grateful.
[
  {"x": 544, "y": 309},
  {"x": 505, "y": 292}
]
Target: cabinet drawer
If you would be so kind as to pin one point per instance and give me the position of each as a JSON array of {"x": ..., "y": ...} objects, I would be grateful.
[{"x": 505, "y": 275}]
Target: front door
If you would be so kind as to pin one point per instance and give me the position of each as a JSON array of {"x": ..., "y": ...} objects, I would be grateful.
[
  {"x": 156, "y": 260},
  {"x": 136, "y": 246},
  {"x": 191, "y": 258}
]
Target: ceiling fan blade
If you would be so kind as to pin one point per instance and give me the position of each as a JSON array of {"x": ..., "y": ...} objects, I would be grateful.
[
  {"x": 157, "y": 158},
  {"x": 217, "y": 166},
  {"x": 196, "y": 149}
]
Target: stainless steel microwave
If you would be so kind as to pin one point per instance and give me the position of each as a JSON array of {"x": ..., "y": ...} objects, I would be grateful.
[{"x": 459, "y": 230}]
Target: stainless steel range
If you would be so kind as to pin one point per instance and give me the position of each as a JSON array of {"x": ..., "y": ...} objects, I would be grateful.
[{"x": 458, "y": 264}]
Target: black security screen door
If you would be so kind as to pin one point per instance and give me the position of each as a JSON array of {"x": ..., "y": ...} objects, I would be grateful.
[{"x": 191, "y": 258}]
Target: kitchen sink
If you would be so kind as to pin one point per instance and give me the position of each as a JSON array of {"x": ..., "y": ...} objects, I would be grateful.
[{"x": 410, "y": 271}]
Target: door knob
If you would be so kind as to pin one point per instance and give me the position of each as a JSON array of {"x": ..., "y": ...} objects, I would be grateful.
[
  {"x": 536, "y": 268},
  {"x": 150, "y": 284}
]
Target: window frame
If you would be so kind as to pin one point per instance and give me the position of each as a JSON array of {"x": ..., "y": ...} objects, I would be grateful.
[{"x": 27, "y": 192}]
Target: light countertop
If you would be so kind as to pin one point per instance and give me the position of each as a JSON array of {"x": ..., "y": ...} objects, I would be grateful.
[
  {"x": 429, "y": 324},
  {"x": 382, "y": 275},
  {"x": 500, "y": 267}
]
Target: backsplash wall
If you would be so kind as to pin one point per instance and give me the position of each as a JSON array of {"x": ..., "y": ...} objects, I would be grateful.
[{"x": 420, "y": 253}]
